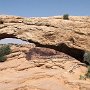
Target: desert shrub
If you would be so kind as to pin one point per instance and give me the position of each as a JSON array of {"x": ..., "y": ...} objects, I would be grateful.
[
  {"x": 82, "y": 77},
  {"x": 66, "y": 17},
  {"x": 2, "y": 58},
  {"x": 87, "y": 75},
  {"x": 88, "y": 72},
  {"x": 87, "y": 57},
  {"x": 4, "y": 50}
]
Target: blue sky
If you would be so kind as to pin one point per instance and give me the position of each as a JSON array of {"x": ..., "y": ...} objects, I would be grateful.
[
  {"x": 38, "y": 8},
  {"x": 12, "y": 40}
]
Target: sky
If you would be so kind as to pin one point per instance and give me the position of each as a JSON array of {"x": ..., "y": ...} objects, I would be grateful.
[
  {"x": 43, "y": 8},
  {"x": 12, "y": 40},
  {"x": 38, "y": 8}
]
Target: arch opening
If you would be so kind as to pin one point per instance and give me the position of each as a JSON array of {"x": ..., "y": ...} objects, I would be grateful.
[
  {"x": 12, "y": 41},
  {"x": 11, "y": 38}
]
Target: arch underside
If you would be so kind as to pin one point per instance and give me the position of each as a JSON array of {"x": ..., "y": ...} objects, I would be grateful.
[{"x": 74, "y": 52}]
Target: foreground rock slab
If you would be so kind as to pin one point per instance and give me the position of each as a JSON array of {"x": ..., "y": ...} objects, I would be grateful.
[{"x": 57, "y": 71}]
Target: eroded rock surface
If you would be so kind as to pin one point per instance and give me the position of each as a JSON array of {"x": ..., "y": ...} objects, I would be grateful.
[
  {"x": 56, "y": 71},
  {"x": 52, "y": 62},
  {"x": 48, "y": 30}
]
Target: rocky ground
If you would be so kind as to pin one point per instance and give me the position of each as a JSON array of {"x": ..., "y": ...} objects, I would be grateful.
[
  {"x": 34, "y": 68},
  {"x": 54, "y": 59}
]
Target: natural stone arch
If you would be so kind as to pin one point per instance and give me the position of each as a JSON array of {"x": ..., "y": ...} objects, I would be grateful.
[{"x": 62, "y": 47}]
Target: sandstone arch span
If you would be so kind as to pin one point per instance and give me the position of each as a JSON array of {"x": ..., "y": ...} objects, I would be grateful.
[{"x": 50, "y": 32}]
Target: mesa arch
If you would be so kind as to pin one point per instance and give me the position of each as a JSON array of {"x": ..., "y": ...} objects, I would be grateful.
[
  {"x": 52, "y": 32},
  {"x": 74, "y": 52}
]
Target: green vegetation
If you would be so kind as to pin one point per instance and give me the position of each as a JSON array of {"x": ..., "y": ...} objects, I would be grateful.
[
  {"x": 4, "y": 50},
  {"x": 87, "y": 57},
  {"x": 82, "y": 77},
  {"x": 88, "y": 73},
  {"x": 66, "y": 17},
  {"x": 3, "y": 58}
]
